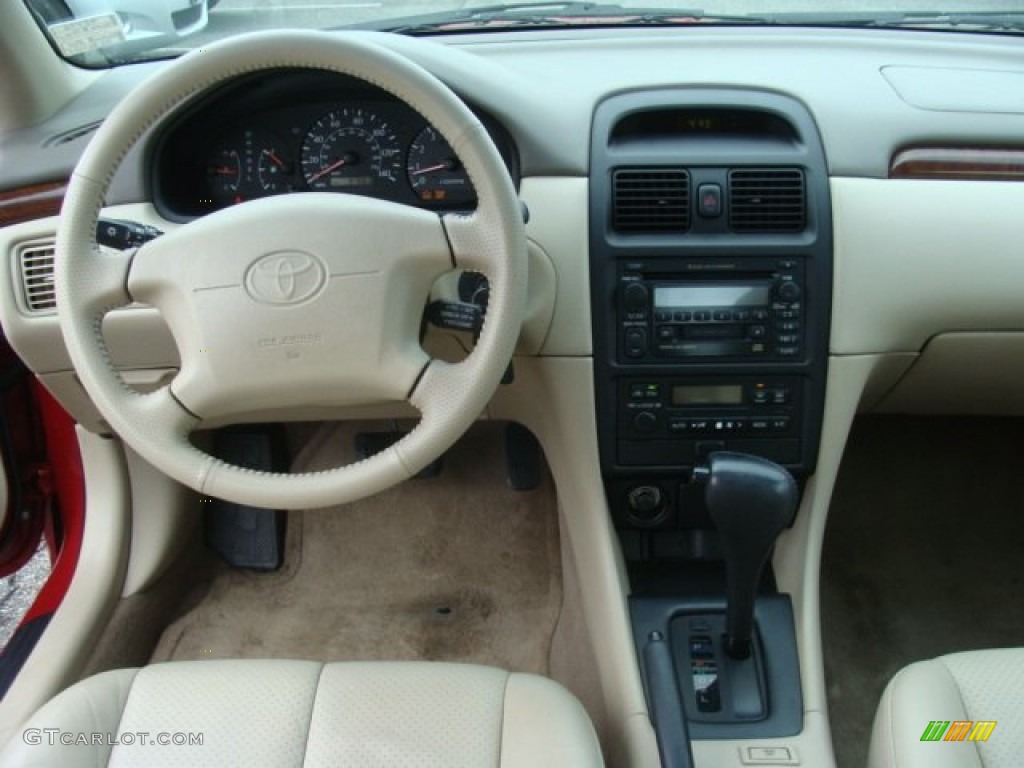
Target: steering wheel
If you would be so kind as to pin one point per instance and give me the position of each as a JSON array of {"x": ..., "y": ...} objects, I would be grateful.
[{"x": 303, "y": 299}]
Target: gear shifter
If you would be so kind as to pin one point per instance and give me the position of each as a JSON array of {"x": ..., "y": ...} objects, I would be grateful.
[{"x": 751, "y": 500}]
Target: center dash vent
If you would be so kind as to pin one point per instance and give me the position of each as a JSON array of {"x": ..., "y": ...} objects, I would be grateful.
[
  {"x": 35, "y": 268},
  {"x": 767, "y": 200},
  {"x": 651, "y": 200}
]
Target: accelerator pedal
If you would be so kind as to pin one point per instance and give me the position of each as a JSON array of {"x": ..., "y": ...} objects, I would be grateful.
[
  {"x": 522, "y": 458},
  {"x": 244, "y": 536},
  {"x": 369, "y": 444}
]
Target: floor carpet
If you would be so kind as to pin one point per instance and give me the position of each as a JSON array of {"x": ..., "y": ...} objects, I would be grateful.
[
  {"x": 922, "y": 556},
  {"x": 457, "y": 567}
]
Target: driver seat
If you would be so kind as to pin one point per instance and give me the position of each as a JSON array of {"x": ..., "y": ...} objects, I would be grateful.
[{"x": 308, "y": 714}]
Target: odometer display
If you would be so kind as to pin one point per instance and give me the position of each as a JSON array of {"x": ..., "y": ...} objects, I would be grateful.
[{"x": 351, "y": 150}]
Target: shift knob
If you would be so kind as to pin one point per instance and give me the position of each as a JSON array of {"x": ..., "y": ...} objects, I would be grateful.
[{"x": 751, "y": 500}]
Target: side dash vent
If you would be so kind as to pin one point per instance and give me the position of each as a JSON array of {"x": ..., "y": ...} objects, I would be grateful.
[
  {"x": 651, "y": 200},
  {"x": 767, "y": 200},
  {"x": 35, "y": 269}
]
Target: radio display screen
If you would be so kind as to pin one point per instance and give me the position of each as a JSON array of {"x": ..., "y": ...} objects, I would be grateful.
[
  {"x": 713, "y": 295},
  {"x": 715, "y": 394}
]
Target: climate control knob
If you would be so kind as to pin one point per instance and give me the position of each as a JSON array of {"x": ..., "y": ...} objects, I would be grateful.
[{"x": 645, "y": 422}]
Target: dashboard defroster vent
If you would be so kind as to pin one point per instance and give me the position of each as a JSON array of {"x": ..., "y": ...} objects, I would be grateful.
[
  {"x": 767, "y": 200},
  {"x": 73, "y": 134},
  {"x": 35, "y": 269},
  {"x": 651, "y": 200}
]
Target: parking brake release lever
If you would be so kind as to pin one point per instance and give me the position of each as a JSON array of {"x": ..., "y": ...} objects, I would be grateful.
[{"x": 751, "y": 500}]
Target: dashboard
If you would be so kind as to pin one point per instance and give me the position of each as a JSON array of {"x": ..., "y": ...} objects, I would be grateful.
[
  {"x": 909, "y": 281},
  {"x": 300, "y": 131}
]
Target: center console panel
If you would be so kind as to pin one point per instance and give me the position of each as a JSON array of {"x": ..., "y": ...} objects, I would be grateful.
[{"x": 711, "y": 278}]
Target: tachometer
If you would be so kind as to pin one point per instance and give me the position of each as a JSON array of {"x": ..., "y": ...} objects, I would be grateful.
[
  {"x": 350, "y": 150},
  {"x": 435, "y": 173}
]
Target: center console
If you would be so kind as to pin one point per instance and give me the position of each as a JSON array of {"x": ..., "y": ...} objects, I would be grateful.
[{"x": 711, "y": 280}]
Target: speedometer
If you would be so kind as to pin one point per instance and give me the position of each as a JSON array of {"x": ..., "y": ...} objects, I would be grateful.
[{"x": 350, "y": 150}]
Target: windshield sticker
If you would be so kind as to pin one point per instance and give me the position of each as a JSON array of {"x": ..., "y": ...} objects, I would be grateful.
[{"x": 88, "y": 34}]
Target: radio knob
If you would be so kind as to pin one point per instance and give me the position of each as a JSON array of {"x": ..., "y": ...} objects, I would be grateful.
[
  {"x": 788, "y": 291},
  {"x": 635, "y": 297},
  {"x": 645, "y": 422}
]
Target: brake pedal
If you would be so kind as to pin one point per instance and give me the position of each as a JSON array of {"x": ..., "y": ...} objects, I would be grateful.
[{"x": 245, "y": 536}]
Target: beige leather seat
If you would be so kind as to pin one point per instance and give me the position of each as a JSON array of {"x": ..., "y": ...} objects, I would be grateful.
[
  {"x": 303, "y": 713},
  {"x": 963, "y": 689}
]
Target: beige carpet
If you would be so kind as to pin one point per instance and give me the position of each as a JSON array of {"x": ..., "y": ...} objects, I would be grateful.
[
  {"x": 922, "y": 556},
  {"x": 458, "y": 567}
]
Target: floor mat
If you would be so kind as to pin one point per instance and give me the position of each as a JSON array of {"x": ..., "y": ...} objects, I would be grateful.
[
  {"x": 922, "y": 556},
  {"x": 457, "y": 567}
]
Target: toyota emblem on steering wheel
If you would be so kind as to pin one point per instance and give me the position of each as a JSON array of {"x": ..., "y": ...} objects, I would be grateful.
[{"x": 285, "y": 277}]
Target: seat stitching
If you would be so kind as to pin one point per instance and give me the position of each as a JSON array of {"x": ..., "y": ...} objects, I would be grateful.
[
  {"x": 501, "y": 730},
  {"x": 891, "y": 710},
  {"x": 120, "y": 719},
  {"x": 312, "y": 709},
  {"x": 959, "y": 693}
]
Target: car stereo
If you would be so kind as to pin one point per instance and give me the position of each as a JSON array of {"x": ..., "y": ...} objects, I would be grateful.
[{"x": 696, "y": 313}]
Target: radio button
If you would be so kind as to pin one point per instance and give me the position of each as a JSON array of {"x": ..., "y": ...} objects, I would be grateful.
[
  {"x": 722, "y": 315},
  {"x": 788, "y": 291},
  {"x": 636, "y": 342},
  {"x": 741, "y": 315},
  {"x": 682, "y": 317},
  {"x": 702, "y": 316},
  {"x": 761, "y": 314},
  {"x": 662, "y": 316}
]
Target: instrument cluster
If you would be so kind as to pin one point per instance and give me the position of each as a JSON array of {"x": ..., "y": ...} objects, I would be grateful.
[{"x": 299, "y": 131}]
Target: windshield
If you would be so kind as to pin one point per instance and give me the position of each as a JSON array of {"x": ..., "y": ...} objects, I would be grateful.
[{"x": 98, "y": 33}]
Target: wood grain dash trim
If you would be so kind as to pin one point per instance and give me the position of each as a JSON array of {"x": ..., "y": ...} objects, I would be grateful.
[
  {"x": 961, "y": 163},
  {"x": 35, "y": 202}
]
